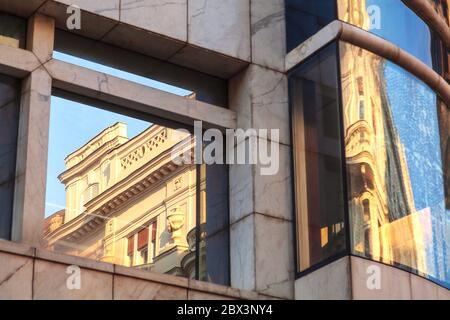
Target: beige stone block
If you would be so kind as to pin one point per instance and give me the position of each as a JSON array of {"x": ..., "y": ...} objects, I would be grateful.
[
  {"x": 212, "y": 288},
  {"x": 273, "y": 192},
  {"x": 47, "y": 255},
  {"x": 167, "y": 17},
  {"x": 29, "y": 195},
  {"x": 16, "y": 273},
  {"x": 268, "y": 33},
  {"x": 41, "y": 36},
  {"x": 443, "y": 293},
  {"x": 423, "y": 289},
  {"x": 313, "y": 44},
  {"x": 97, "y": 17},
  {"x": 207, "y": 61},
  {"x": 17, "y": 62},
  {"x": 260, "y": 98},
  {"x": 274, "y": 258},
  {"x": 16, "y": 248},
  {"x": 106, "y": 8},
  {"x": 139, "y": 97},
  {"x": 171, "y": 280},
  {"x": 199, "y": 295},
  {"x": 241, "y": 191},
  {"x": 127, "y": 288},
  {"x": 222, "y": 26},
  {"x": 395, "y": 283},
  {"x": 50, "y": 283},
  {"x": 242, "y": 253},
  {"x": 331, "y": 282}
]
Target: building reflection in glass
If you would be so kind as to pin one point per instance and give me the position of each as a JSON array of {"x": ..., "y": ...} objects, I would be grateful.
[{"x": 395, "y": 172}]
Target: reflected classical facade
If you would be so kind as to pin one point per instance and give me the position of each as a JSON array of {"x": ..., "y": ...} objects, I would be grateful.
[
  {"x": 128, "y": 202},
  {"x": 395, "y": 175},
  {"x": 381, "y": 203}
]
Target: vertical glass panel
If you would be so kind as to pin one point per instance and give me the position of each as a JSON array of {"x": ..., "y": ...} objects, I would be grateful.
[
  {"x": 12, "y": 30},
  {"x": 394, "y": 166},
  {"x": 305, "y": 17},
  {"x": 117, "y": 192},
  {"x": 317, "y": 156},
  {"x": 9, "y": 123},
  {"x": 393, "y": 21}
]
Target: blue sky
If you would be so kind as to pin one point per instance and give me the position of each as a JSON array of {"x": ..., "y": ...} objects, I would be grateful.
[
  {"x": 73, "y": 124},
  {"x": 399, "y": 24}
]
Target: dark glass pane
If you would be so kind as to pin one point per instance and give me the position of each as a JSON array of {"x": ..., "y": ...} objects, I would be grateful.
[
  {"x": 317, "y": 156},
  {"x": 395, "y": 172},
  {"x": 12, "y": 30},
  {"x": 215, "y": 229},
  {"x": 9, "y": 122},
  {"x": 305, "y": 17}
]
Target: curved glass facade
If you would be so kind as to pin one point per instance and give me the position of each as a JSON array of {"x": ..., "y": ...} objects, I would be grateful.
[
  {"x": 379, "y": 186},
  {"x": 395, "y": 178}
]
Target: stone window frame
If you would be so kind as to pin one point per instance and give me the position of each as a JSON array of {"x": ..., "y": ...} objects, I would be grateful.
[{"x": 40, "y": 74}]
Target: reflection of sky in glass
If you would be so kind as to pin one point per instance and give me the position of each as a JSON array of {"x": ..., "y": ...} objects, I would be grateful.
[
  {"x": 71, "y": 126},
  {"x": 401, "y": 26},
  {"x": 414, "y": 110}
]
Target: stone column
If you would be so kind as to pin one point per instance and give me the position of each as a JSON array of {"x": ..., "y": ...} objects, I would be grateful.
[
  {"x": 261, "y": 213},
  {"x": 31, "y": 168}
]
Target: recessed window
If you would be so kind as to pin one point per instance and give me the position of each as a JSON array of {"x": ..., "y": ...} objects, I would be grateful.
[{"x": 395, "y": 179}]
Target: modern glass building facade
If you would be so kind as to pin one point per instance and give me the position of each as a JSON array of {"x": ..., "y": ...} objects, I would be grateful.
[{"x": 370, "y": 143}]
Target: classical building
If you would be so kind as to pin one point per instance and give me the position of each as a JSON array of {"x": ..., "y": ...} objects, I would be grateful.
[{"x": 128, "y": 202}]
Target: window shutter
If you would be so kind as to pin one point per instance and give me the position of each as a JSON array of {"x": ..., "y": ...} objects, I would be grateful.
[
  {"x": 130, "y": 245},
  {"x": 143, "y": 238}
]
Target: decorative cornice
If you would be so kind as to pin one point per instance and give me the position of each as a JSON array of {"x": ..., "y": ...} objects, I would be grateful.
[{"x": 96, "y": 143}]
